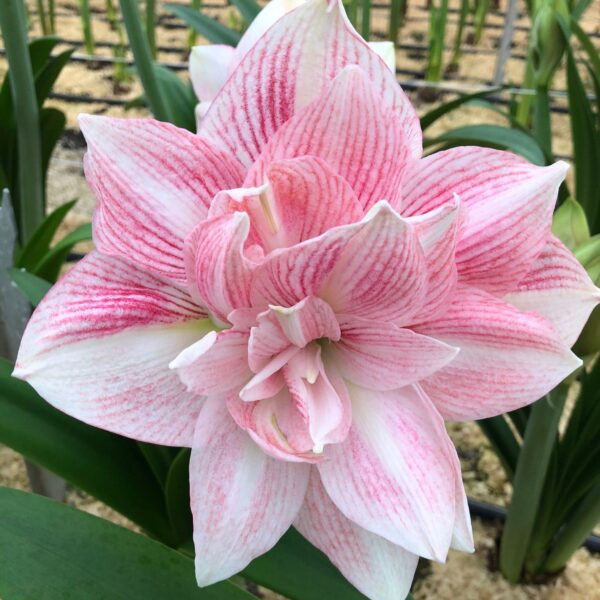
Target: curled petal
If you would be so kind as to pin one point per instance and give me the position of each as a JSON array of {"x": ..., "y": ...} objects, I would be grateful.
[
  {"x": 371, "y": 159},
  {"x": 382, "y": 356},
  {"x": 379, "y": 569},
  {"x": 287, "y": 68},
  {"x": 395, "y": 473},
  {"x": 99, "y": 345},
  {"x": 209, "y": 69},
  {"x": 218, "y": 272},
  {"x": 558, "y": 288},
  {"x": 507, "y": 358},
  {"x": 216, "y": 364},
  {"x": 154, "y": 183},
  {"x": 242, "y": 500}
]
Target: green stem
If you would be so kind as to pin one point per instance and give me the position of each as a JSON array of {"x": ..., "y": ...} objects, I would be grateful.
[
  {"x": 192, "y": 35},
  {"x": 395, "y": 20},
  {"x": 143, "y": 60},
  {"x": 86, "y": 23},
  {"x": 542, "y": 128},
  {"x": 530, "y": 475},
  {"x": 52, "y": 16},
  {"x": 29, "y": 202},
  {"x": 574, "y": 532},
  {"x": 503, "y": 442},
  {"x": 462, "y": 20},
  {"x": 365, "y": 24},
  {"x": 524, "y": 108},
  {"x": 150, "y": 25},
  {"x": 42, "y": 15}
]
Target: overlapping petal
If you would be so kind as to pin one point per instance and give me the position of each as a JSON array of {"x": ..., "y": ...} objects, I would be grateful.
[
  {"x": 558, "y": 288},
  {"x": 379, "y": 569},
  {"x": 242, "y": 500},
  {"x": 99, "y": 345},
  {"x": 395, "y": 474},
  {"x": 154, "y": 183},
  {"x": 509, "y": 202},
  {"x": 287, "y": 68},
  {"x": 371, "y": 159},
  {"x": 508, "y": 358}
]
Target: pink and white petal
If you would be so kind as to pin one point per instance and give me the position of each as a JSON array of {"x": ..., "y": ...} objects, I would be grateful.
[
  {"x": 310, "y": 319},
  {"x": 507, "y": 359},
  {"x": 509, "y": 202},
  {"x": 383, "y": 356},
  {"x": 216, "y": 364},
  {"x": 98, "y": 348},
  {"x": 371, "y": 159},
  {"x": 376, "y": 567},
  {"x": 290, "y": 66},
  {"x": 381, "y": 272},
  {"x": 209, "y": 69},
  {"x": 558, "y": 288},
  {"x": 242, "y": 500},
  {"x": 438, "y": 232},
  {"x": 267, "y": 340},
  {"x": 218, "y": 272},
  {"x": 153, "y": 183},
  {"x": 322, "y": 397},
  {"x": 462, "y": 535},
  {"x": 266, "y": 382},
  {"x": 276, "y": 425},
  {"x": 394, "y": 475}
]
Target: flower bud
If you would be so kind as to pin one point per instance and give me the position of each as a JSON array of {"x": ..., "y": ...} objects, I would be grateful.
[
  {"x": 589, "y": 256},
  {"x": 570, "y": 225}
]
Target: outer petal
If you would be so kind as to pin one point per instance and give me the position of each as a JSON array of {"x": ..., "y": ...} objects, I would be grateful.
[
  {"x": 209, "y": 69},
  {"x": 379, "y": 569},
  {"x": 507, "y": 358},
  {"x": 558, "y": 288},
  {"x": 509, "y": 204},
  {"x": 287, "y": 68},
  {"x": 242, "y": 500},
  {"x": 382, "y": 356},
  {"x": 302, "y": 199},
  {"x": 218, "y": 273},
  {"x": 381, "y": 273},
  {"x": 217, "y": 364},
  {"x": 99, "y": 345},
  {"x": 371, "y": 159},
  {"x": 387, "y": 52},
  {"x": 153, "y": 183},
  {"x": 395, "y": 475}
]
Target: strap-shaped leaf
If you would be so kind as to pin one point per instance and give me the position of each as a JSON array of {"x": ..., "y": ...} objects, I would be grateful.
[{"x": 211, "y": 29}]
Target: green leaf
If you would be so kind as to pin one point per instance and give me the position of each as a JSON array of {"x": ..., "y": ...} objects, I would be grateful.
[
  {"x": 105, "y": 465},
  {"x": 178, "y": 96},
  {"x": 49, "y": 550},
  {"x": 50, "y": 265},
  {"x": 570, "y": 225},
  {"x": 428, "y": 119},
  {"x": 39, "y": 243},
  {"x": 177, "y": 494},
  {"x": 211, "y": 29},
  {"x": 492, "y": 136},
  {"x": 52, "y": 125},
  {"x": 159, "y": 459},
  {"x": 299, "y": 571},
  {"x": 34, "y": 288},
  {"x": 503, "y": 441},
  {"x": 47, "y": 76},
  {"x": 248, "y": 9}
]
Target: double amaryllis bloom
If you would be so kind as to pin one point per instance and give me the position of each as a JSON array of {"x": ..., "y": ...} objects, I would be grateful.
[{"x": 301, "y": 298}]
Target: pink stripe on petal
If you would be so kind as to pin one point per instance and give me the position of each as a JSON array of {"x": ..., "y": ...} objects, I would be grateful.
[
  {"x": 218, "y": 273},
  {"x": 242, "y": 500},
  {"x": 99, "y": 345},
  {"x": 371, "y": 159},
  {"x": 382, "y": 356},
  {"x": 395, "y": 475},
  {"x": 379, "y": 569},
  {"x": 153, "y": 183},
  {"x": 558, "y": 288},
  {"x": 287, "y": 68},
  {"x": 507, "y": 358}
]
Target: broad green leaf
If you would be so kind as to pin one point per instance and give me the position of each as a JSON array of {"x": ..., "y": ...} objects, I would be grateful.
[
  {"x": 492, "y": 136},
  {"x": 179, "y": 97},
  {"x": 37, "y": 247},
  {"x": 299, "y": 571},
  {"x": 34, "y": 288},
  {"x": 47, "y": 76},
  {"x": 248, "y": 9},
  {"x": 159, "y": 458},
  {"x": 105, "y": 465},
  {"x": 177, "y": 494},
  {"x": 51, "y": 263},
  {"x": 432, "y": 116},
  {"x": 570, "y": 225},
  {"x": 211, "y": 29},
  {"x": 49, "y": 550},
  {"x": 503, "y": 441}
]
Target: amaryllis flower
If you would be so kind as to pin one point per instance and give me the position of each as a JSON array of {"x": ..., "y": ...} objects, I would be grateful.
[
  {"x": 212, "y": 64},
  {"x": 301, "y": 298}
]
